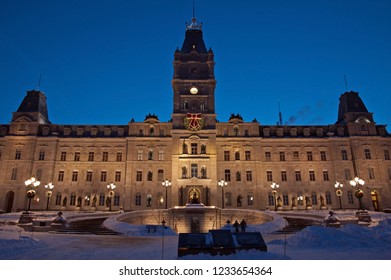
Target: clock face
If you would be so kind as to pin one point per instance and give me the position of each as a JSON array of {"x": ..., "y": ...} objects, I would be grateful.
[{"x": 194, "y": 90}]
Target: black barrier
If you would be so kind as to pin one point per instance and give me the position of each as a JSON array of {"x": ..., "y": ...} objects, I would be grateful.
[{"x": 219, "y": 242}]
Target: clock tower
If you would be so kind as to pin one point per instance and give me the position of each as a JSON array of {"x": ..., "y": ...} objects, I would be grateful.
[{"x": 194, "y": 82}]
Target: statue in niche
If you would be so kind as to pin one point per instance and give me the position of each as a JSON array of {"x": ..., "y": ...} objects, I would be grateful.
[
  {"x": 184, "y": 172},
  {"x": 194, "y": 198}
]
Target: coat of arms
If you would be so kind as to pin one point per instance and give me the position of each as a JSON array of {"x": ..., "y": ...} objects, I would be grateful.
[{"x": 193, "y": 122}]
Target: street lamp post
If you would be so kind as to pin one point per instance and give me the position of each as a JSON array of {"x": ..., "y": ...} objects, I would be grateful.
[
  {"x": 31, "y": 184},
  {"x": 275, "y": 186},
  {"x": 338, "y": 192},
  {"x": 111, "y": 188},
  {"x": 222, "y": 184},
  {"x": 358, "y": 184},
  {"x": 49, "y": 193},
  {"x": 166, "y": 183}
]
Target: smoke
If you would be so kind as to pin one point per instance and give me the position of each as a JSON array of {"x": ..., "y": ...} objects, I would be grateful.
[{"x": 308, "y": 114}]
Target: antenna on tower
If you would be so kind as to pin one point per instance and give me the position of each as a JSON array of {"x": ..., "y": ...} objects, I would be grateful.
[
  {"x": 193, "y": 8},
  {"x": 279, "y": 114},
  {"x": 346, "y": 83},
  {"x": 39, "y": 81}
]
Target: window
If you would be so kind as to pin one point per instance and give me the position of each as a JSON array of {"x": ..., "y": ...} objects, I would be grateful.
[
  {"x": 228, "y": 199},
  {"x": 41, "y": 155},
  {"x": 268, "y": 156},
  {"x": 283, "y": 176},
  {"x": 77, "y": 156},
  {"x": 227, "y": 175},
  {"x": 203, "y": 149},
  {"x": 105, "y": 156},
  {"x": 91, "y": 156},
  {"x": 18, "y": 154},
  {"x": 161, "y": 155},
  {"x": 103, "y": 176},
  {"x": 150, "y": 155},
  {"x": 350, "y": 197},
  {"x": 149, "y": 176},
  {"x": 371, "y": 173},
  {"x": 89, "y": 176},
  {"x": 297, "y": 175},
  {"x": 285, "y": 199},
  {"x": 63, "y": 156},
  {"x": 247, "y": 155},
  {"x": 237, "y": 155},
  {"x": 249, "y": 175},
  {"x": 326, "y": 175},
  {"x": 282, "y": 156},
  {"x": 60, "y": 176},
  {"x": 58, "y": 199},
  {"x": 226, "y": 156},
  {"x": 194, "y": 170},
  {"x": 102, "y": 199},
  {"x": 312, "y": 175},
  {"x": 344, "y": 155},
  {"x": 117, "y": 176},
  {"x": 250, "y": 200},
  {"x": 139, "y": 155},
  {"x": 138, "y": 199},
  {"x": 14, "y": 174},
  {"x": 75, "y": 174},
  {"x": 295, "y": 155},
  {"x": 139, "y": 176},
  {"x": 160, "y": 175},
  {"x": 116, "y": 200},
  {"x": 238, "y": 176},
  {"x": 328, "y": 198},
  {"x": 269, "y": 176},
  {"x": 271, "y": 199},
  {"x": 309, "y": 156},
  {"x": 119, "y": 156},
  {"x": 323, "y": 156},
  {"x": 194, "y": 148},
  {"x": 314, "y": 199},
  {"x": 386, "y": 155},
  {"x": 72, "y": 201},
  {"x": 367, "y": 153}
]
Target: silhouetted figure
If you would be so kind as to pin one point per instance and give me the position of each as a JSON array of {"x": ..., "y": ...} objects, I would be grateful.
[
  {"x": 243, "y": 225},
  {"x": 236, "y": 226}
]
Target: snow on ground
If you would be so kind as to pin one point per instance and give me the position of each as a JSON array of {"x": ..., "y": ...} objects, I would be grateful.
[{"x": 349, "y": 242}]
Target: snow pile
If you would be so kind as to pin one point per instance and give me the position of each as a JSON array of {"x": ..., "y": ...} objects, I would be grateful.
[{"x": 349, "y": 236}]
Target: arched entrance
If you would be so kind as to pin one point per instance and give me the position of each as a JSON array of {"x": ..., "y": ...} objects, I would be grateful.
[
  {"x": 9, "y": 201},
  {"x": 375, "y": 200}
]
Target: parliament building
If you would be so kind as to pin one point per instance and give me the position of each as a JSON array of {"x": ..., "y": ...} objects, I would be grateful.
[{"x": 194, "y": 158}]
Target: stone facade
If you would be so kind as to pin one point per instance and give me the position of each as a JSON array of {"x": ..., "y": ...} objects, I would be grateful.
[{"x": 194, "y": 152}]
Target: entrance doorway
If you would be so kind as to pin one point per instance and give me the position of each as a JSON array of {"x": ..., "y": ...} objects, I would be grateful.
[
  {"x": 375, "y": 200},
  {"x": 9, "y": 201}
]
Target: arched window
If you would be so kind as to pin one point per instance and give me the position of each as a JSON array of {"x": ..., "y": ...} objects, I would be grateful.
[
  {"x": 150, "y": 155},
  {"x": 185, "y": 104},
  {"x": 149, "y": 176},
  {"x": 138, "y": 199}
]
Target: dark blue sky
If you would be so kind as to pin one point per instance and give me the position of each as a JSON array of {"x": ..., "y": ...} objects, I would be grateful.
[{"x": 106, "y": 62}]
